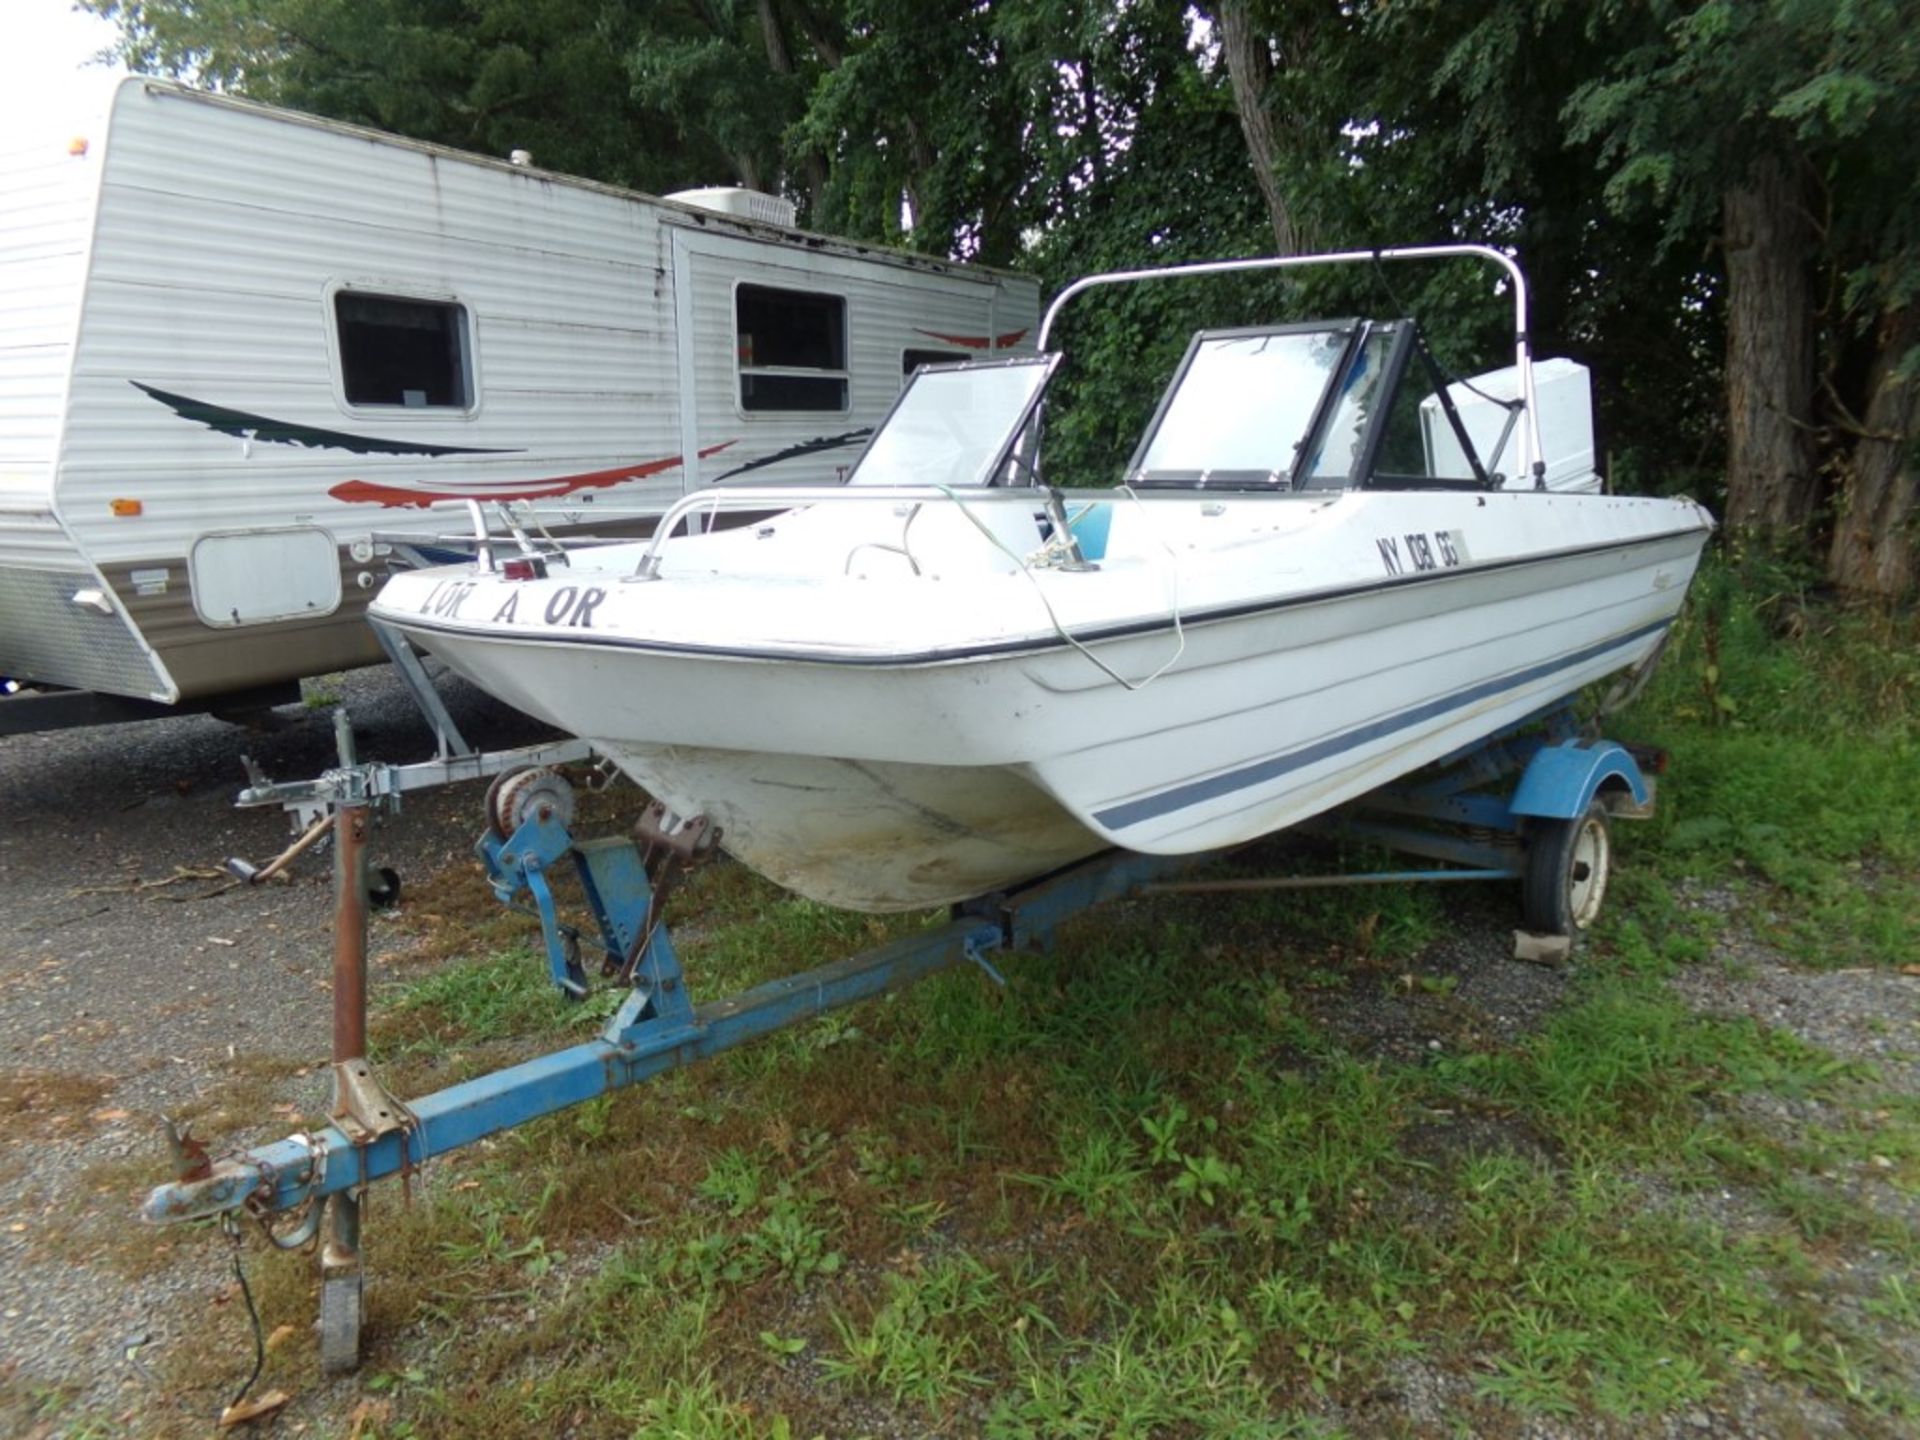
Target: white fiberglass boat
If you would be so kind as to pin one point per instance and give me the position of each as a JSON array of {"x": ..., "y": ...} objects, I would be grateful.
[{"x": 942, "y": 677}]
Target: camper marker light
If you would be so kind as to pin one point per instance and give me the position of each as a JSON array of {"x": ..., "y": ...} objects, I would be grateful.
[
  {"x": 77, "y": 146},
  {"x": 125, "y": 507}
]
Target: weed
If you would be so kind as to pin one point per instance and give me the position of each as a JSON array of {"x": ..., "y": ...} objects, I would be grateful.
[
  {"x": 695, "y": 1410},
  {"x": 502, "y": 997},
  {"x": 1898, "y": 1300},
  {"x": 791, "y": 1243},
  {"x": 735, "y": 1180},
  {"x": 1591, "y": 1299},
  {"x": 918, "y": 1345},
  {"x": 1332, "y": 1337},
  {"x": 1097, "y": 1173},
  {"x": 1622, "y": 1067},
  {"x": 881, "y": 1163}
]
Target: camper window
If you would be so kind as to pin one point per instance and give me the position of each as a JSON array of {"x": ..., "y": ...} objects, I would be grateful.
[
  {"x": 792, "y": 349},
  {"x": 398, "y": 351}
]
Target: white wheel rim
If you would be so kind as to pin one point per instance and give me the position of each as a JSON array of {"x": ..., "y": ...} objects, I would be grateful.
[{"x": 1587, "y": 871}]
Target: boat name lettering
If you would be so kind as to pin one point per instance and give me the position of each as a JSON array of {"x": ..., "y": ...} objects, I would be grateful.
[
  {"x": 571, "y": 605},
  {"x": 446, "y": 598},
  {"x": 1438, "y": 550}
]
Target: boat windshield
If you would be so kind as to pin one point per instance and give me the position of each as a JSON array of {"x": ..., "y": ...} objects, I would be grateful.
[
  {"x": 953, "y": 424},
  {"x": 1243, "y": 405}
]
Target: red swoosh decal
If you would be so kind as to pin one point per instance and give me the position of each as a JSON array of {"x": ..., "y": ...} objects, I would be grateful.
[
  {"x": 366, "y": 492},
  {"x": 976, "y": 342}
]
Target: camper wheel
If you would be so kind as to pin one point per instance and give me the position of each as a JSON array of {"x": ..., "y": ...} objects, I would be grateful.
[{"x": 1566, "y": 875}]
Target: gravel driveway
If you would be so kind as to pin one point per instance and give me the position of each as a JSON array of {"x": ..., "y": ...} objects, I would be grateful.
[{"x": 128, "y": 988}]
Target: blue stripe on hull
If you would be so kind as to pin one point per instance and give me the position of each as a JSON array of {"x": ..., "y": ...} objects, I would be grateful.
[{"x": 1195, "y": 792}]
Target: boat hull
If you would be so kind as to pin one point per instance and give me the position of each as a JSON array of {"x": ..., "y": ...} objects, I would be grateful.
[{"x": 896, "y": 786}]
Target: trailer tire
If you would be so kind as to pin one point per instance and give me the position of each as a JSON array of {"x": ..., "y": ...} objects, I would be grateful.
[{"x": 1568, "y": 862}]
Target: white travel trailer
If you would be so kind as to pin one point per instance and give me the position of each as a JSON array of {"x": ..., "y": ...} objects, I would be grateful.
[{"x": 239, "y": 346}]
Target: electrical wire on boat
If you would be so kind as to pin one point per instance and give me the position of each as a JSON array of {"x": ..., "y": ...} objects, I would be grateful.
[
  {"x": 1053, "y": 617},
  {"x": 532, "y": 517},
  {"x": 1445, "y": 377}
]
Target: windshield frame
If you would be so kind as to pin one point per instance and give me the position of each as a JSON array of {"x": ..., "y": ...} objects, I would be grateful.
[
  {"x": 1366, "y": 452},
  {"x": 1047, "y": 363},
  {"x": 1352, "y": 329}
]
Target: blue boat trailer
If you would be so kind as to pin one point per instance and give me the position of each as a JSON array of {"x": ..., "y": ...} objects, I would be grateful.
[{"x": 1547, "y": 830}]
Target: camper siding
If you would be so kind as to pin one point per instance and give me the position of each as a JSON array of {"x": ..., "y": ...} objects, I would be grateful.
[
  {"x": 51, "y": 178},
  {"x": 890, "y": 308},
  {"x": 43, "y": 247},
  {"x": 224, "y": 233}
]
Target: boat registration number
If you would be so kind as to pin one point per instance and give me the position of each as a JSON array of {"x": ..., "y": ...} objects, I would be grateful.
[
  {"x": 566, "y": 605},
  {"x": 1422, "y": 550}
]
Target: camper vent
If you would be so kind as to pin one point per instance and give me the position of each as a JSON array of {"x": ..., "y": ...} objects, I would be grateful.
[{"x": 746, "y": 204}]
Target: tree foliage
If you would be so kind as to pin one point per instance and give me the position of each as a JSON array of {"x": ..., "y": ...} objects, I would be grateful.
[
  {"x": 1782, "y": 124},
  {"x": 1712, "y": 197}
]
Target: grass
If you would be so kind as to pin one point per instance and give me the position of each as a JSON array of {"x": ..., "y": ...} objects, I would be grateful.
[
  {"x": 1801, "y": 781},
  {"x": 38, "y": 1104},
  {"x": 1173, "y": 1179}
]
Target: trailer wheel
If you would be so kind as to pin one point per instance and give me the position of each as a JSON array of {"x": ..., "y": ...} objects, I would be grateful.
[
  {"x": 340, "y": 1323},
  {"x": 1566, "y": 878}
]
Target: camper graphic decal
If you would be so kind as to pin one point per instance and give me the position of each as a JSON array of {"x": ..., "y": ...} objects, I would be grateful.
[
  {"x": 367, "y": 492},
  {"x": 975, "y": 342},
  {"x": 269, "y": 431},
  {"x": 244, "y": 425},
  {"x": 806, "y": 447}
]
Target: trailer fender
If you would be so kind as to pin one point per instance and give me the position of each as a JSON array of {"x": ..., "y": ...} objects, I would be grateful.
[{"x": 1561, "y": 781}]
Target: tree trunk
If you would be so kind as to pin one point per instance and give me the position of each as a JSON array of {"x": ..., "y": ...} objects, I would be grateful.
[
  {"x": 1250, "y": 68},
  {"x": 1772, "y": 483},
  {"x": 780, "y": 61},
  {"x": 1877, "y": 528}
]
